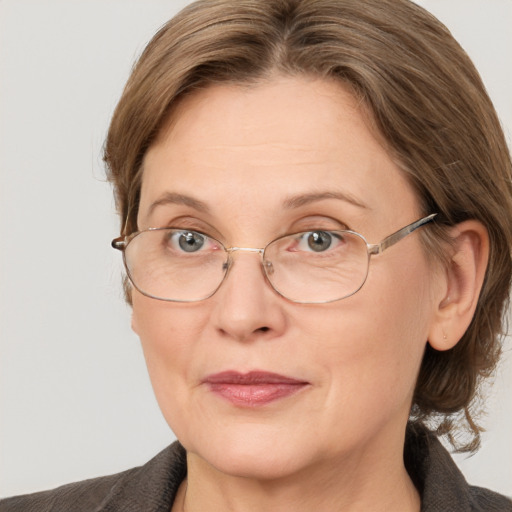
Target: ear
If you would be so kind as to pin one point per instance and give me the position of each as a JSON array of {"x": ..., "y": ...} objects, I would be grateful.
[{"x": 463, "y": 279}]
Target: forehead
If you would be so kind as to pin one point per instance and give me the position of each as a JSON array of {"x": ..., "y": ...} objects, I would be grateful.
[
  {"x": 283, "y": 113},
  {"x": 259, "y": 144}
]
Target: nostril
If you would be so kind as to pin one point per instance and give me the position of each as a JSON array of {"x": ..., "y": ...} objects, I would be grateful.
[{"x": 263, "y": 329}]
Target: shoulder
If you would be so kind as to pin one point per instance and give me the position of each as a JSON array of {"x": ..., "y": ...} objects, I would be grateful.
[
  {"x": 485, "y": 500},
  {"x": 150, "y": 487},
  {"x": 81, "y": 496},
  {"x": 439, "y": 480}
]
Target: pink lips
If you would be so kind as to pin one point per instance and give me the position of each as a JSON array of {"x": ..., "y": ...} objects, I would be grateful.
[{"x": 252, "y": 389}]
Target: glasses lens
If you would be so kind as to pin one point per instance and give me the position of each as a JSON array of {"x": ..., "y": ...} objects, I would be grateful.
[
  {"x": 317, "y": 266},
  {"x": 176, "y": 265}
]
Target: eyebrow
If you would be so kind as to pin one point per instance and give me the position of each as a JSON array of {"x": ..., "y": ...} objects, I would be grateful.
[
  {"x": 305, "y": 199},
  {"x": 290, "y": 203},
  {"x": 181, "y": 199}
]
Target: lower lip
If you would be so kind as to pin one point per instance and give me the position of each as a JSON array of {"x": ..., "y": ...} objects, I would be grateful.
[{"x": 254, "y": 395}]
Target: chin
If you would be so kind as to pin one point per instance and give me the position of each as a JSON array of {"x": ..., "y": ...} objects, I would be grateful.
[
  {"x": 263, "y": 465},
  {"x": 256, "y": 453}
]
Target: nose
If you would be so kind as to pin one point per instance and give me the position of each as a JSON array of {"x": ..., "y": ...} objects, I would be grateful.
[{"x": 246, "y": 305}]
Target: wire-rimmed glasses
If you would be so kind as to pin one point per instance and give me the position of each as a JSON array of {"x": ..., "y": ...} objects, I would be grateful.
[{"x": 310, "y": 267}]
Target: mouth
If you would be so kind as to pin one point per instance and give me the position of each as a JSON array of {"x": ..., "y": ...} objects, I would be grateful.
[{"x": 253, "y": 389}]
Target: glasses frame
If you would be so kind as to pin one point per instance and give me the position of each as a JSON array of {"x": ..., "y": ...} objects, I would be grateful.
[{"x": 121, "y": 243}]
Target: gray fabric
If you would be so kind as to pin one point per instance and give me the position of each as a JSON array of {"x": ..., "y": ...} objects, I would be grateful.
[
  {"x": 153, "y": 487},
  {"x": 442, "y": 486},
  {"x": 150, "y": 488}
]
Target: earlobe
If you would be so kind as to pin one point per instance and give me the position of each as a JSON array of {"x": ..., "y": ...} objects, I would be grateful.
[{"x": 464, "y": 276}]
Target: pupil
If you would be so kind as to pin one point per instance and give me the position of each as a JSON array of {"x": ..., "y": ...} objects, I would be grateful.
[
  {"x": 319, "y": 241},
  {"x": 191, "y": 242}
]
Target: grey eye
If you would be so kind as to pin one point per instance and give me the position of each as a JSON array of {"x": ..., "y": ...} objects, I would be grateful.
[
  {"x": 189, "y": 241},
  {"x": 319, "y": 241}
]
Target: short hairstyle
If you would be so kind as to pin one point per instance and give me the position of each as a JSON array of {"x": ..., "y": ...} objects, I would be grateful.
[{"x": 425, "y": 99}]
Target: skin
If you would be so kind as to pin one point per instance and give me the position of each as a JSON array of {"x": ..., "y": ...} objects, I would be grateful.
[{"x": 337, "y": 444}]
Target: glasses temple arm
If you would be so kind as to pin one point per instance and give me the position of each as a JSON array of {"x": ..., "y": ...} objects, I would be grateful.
[{"x": 399, "y": 235}]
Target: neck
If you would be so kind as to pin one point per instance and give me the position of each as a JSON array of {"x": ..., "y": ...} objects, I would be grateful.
[{"x": 369, "y": 481}]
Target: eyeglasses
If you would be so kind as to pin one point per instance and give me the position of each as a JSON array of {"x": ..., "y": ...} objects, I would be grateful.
[{"x": 311, "y": 267}]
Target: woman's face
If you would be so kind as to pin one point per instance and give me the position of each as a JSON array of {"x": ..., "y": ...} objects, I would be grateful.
[{"x": 248, "y": 165}]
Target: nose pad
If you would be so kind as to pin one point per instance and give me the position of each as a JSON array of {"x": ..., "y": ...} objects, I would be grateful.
[{"x": 269, "y": 268}]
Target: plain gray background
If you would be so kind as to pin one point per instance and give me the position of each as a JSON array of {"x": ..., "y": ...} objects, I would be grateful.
[{"x": 75, "y": 400}]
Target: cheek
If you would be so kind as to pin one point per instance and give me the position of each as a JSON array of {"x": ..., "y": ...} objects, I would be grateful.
[
  {"x": 164, "y": 326},
  {"x": 371, "y": 345},
  {"x": 405, "y": 312},
  {"x": 167, "y": 332},
  {"x": 399, "y": 313}
]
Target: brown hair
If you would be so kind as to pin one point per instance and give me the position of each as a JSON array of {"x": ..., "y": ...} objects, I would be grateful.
[{"x": 426, "y": 100}]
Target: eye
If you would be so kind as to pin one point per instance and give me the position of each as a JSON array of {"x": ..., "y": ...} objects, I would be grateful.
[
  {"x": 187, "y": 241},
  {"x": 318, "y": 241}
]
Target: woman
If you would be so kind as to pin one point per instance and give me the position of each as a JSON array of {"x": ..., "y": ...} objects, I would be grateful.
[{"x": 316, "y": 225}]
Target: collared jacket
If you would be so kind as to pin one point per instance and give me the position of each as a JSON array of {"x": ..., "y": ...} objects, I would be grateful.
[{"x": 153, "y": 487}]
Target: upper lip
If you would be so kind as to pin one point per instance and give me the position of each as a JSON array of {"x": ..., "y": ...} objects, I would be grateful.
[{"x": 252, "y": 377}]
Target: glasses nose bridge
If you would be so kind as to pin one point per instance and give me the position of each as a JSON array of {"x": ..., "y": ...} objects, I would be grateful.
[
  {"x": 266, "y": 266},
  {"x": 231, "y": 250}
]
